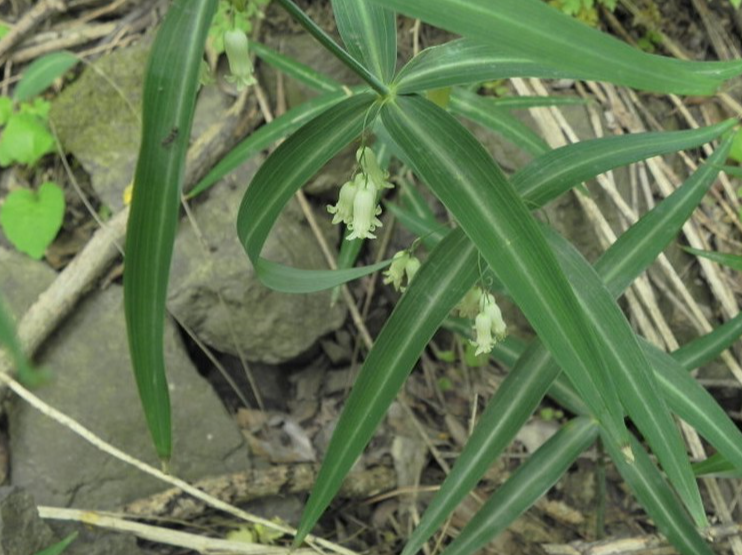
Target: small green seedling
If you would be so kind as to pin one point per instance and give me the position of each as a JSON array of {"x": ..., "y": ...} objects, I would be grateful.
[
  {"x": 32, "y": 219},
  {"x": 59, "y": 547}
]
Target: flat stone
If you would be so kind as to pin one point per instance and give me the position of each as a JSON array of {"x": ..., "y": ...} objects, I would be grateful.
[
  {"x": 93, "y": 383},
  {"x": 214, "y": 290}
]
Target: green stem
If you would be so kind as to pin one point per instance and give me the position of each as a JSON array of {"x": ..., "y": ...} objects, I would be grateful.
[{"x": 337, "y": 51}]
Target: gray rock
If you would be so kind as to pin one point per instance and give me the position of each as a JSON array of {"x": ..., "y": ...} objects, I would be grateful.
[
  {"x": 269, "y": 326},
  {"x": 22, "y": 532},
  {"x": 100, "y": 125},
  {"x": 93, "y": 383}
]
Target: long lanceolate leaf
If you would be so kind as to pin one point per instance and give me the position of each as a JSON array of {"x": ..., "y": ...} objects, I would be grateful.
[
  {"x": 636, "y": 248},
  {"x": 637, "y": 385},
  {"x": 283, "y": 173},
  {"x": 267, "y": 135},
  {"x": 439, "y": 284},
  {"x": 297, "y": 70},
  {"x": 169, "y": 99},
  {"x": 557, "y": 171},
  {"x": 527, "y": 484},
  {"x": 659, "y": 500},
  {"x": 734, "y": 261},
  {"x": 466, "y": 61},
  {"x": 482, "y": 111},
  {"x": 543, "y": 33},
  {"x": 370, "y": 34},
  {"x": 706, "y": 348},
  {"x": 464, "y": 177}
]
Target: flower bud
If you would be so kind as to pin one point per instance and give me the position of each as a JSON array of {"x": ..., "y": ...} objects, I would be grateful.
[
  {"x": 238, "y": 55},
  {"x": 396, "y": 272}
]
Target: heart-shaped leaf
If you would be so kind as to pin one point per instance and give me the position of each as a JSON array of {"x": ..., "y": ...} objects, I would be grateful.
[
  {"x": 24, "y": 140},
  {"x": 31, "y": 220}
]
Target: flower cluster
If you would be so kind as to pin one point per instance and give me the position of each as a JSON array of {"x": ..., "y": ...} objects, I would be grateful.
[
  {"x": 404, "y": 264},
  {"x": 357, "y": 205},
  {"x": 489, "y": 327},
  {"x": 238, "y": 55}
]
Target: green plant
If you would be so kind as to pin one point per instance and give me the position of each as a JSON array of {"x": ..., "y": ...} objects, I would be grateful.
[
  {"x": 31, "y": 219},
  {"x": 586, "y": 356}
]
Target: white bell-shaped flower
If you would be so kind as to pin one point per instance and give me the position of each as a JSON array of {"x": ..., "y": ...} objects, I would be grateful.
[
  {"x": 396, "y": 272},
  {"x": 365, "y": 212},
  {"x": 489, "y": 306},
  {"x": 343, "y": 210},
  {"x": 484, "y": 342},
  {"x": 238, "y": 55},
  {"x": 411, "y": 268},
  {"x": 468, "y": 307}
]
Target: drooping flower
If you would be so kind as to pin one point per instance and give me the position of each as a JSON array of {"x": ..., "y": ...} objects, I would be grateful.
[
  {"x": 484, "y": 341},
  {"x": 343, "y": 210},
  {"x": 404, "y": 265},
  {"x": 489, "y": 306},
  {"x": 468, "y": 307},
  {"x": 488, "y": 322},
  {"x": 396, "y": 272},
  {"x": 238, "y": 56},
  {"x": 365, "y": 212},
  {"x": 411, "y": 268}
]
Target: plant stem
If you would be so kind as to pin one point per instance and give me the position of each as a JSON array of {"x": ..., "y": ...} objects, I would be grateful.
[{"x": 336, "y": 50}]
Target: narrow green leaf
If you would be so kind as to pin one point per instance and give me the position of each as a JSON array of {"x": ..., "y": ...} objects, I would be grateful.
[
  {"x": 297, "y": 70},
  {"x": 441, "y": 282},
  {"x": 734, "y": 171},
  {"x": 637, "y": 385},
  {"x": 716, "y": 465},
  {"x": 526, "y": 102},
  {"x": 464, "y": 61},
  {"x": 513, "y": 403},
  {"x": 543, "y": 33},
  {"x": 464, "y": 177},
  {"x": 706, "y": 348},
  {"x": 267, "y": 134},
  {"x": 169, "y": 99},
  {"x": 659, "y": 500},
  {"x": 733, "y": 261},
  {"x": 59, "y": 547},
  {"x": 370, "y": 34},
  {"x": 643, "y": 241},
  {"x": 691, "y": 402},
  {"x": 528, "y": 483},
  {"x": 289, "y": 167},
  {"x": 480, "y": 110},
  {"x": 557, "y": 171},
  {"x": 42, "y": 73}
]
